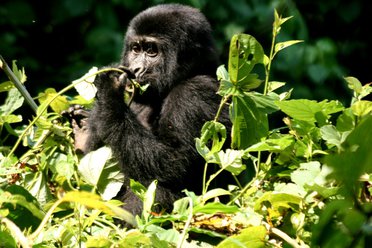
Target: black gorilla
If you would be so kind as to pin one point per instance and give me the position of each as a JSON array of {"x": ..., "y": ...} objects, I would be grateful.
[{"x": 169, "y": 47}]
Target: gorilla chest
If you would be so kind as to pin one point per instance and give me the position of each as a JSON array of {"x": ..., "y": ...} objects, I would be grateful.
[{"x": 147, "y": 116}]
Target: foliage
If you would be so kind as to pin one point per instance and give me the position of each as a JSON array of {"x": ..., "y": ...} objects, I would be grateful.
[{"x": 306, "y": 183}]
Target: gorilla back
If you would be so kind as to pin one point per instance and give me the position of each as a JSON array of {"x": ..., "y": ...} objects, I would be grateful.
[{"x": 169, "y": 47}]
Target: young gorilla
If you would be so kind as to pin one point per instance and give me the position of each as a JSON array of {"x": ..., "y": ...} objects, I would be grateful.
[{"x": 169, "y": 47}]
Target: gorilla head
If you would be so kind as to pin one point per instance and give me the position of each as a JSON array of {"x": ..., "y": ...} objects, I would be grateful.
[{"x": 167, "y": 44}]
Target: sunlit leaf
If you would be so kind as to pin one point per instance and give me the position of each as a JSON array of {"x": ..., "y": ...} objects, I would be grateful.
[
  {"x": 245, "y": 53},
  {"x": 59, "y": 104},
  {"x": 282, "y": 45},
  {"x": 253, "y": 237},
  {"x": 84, "y": 85},
  {"x": 362, "y": 108},
  {"x": 13, "y": 101}
]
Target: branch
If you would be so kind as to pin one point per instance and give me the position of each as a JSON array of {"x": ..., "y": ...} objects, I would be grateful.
[{"x": 18, "y": 84}]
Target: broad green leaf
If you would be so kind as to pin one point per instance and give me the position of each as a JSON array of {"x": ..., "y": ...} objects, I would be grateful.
[
  {"x": 215, "y": 207},
  {"x": 231, "y": 160},
  {"x": 92, "y": 164},
  {"x": 249, "y": 124},
  {"x": 362, "y": 108},
  {"x": 252, "y": 237},
  {"x": 24, "y": 209},
  {"x": 245, "y": 53},
  {"x": 10, "y": 119},
  {"x": 278, "y": 201},
  {"x": 12, "y": 102},
  {"x": 99, "y": 169},
  {"x": 93, "y": 201},
  {"x": 356, "y": 157},
  {"x": 84, "y": 85},
  {"x": 282, "y": 45},
  {"x": 265, "y": 103},
  {"x": 59, "y": 104},
  {"x": 308, "y": 110},
  {"x": 272, "y": 145},
  {"x": 332, "y": 136},
  {"x": 227, "y": 88},
  {"x": 346, "y": 121},
  {"x": 61, "y": 164}
]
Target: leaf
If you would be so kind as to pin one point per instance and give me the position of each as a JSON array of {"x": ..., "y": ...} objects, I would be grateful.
[
  {"x": 265, "y": 103},
  {"x": 362, "y": 108},
  {"x": 214, "y": 193},
  {"x": 282, "y": 45},
  {"x": 99, "y": 169},
  {"x": 20, "y": 74},
  {"x": 13, "y": 102},
  {"x": 84, "y": 85},
  {"x": 245, "y": 53},
  {"x": 222, "y": 73},
  {"x": 24, "y": 209},
  {"x": 212, "y": 132},
  {"x": 308, "y": 110},
  {"x": 278, "y": 201},
  {"x": 354, "y": 84},
  {"x": 252, "y": 237},
  {"x": 231, "y": 160},
  {"x": 272, "y": 145},
  {"x": 149, "y": 200},
  {"x": 249, "y": 124},
  {"x": 215, "y": 207},
  {"x": 6, "y": 86},
  {"x": 59, "y": 104},
  {"x": 332, "y": 136},
  {"x": 93, "y": 201},
  {"x": 10, "y": 119}
]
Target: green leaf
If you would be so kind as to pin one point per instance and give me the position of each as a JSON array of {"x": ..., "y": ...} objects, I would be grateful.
[
  {"x": 12, "y": 102},
  {"x": 215, "y": 207},
  {"x": 265, "y": 103},
  {"x": 245, "y": 53},
  {"x": 59, "y": 104},
  {"x": 310, "y": 111},
  {"x": 252, "y": 237},
  {"x": 282, "y": 45},
  {"x": 231, "y": 160},
  {"x": 354, "y": 84},
  {"x": 332, "y": 136},
  {"x": 249, "y": 124},
  {"x": 10, "y": 119},
  {"x": 212, "y": 132},
  {"x": 20, "y": 74},
  {"x": 6, "y": 86},
  {"x": 24, "y": 209},
  {"x": 278, "y": 201},
  {"x": 362, "y": 108},
  {"x": 149, "y": 200},
  {"x": 99, "y": 169},
  {"x": 222, "y": 73},
  {"x": 272, "y": 145},
  {"x": 214, "y": 193}
]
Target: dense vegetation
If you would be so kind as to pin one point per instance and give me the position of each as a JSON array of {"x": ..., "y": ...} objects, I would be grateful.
[{"x": 305, "y": 182}]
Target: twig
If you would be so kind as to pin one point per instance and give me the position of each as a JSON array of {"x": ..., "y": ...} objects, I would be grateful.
[{"x": 13, "y": 78}]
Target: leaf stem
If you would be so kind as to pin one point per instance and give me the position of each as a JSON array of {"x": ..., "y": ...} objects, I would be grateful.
[{"x": 271, "y": 57}]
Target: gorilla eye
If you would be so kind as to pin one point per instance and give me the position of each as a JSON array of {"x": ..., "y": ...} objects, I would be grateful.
[
  {"x": 151, "y": 49},
  {"x": 136, "y": 47}
]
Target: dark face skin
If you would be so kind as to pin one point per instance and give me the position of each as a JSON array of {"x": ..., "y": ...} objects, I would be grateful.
[{"x": 144, "y": 58}]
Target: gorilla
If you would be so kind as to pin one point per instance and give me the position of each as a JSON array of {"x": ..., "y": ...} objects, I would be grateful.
[{"x": 170, "y": 48}]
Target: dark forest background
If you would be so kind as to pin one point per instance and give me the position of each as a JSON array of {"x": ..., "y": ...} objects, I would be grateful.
[{"x": 58, "y": 41}]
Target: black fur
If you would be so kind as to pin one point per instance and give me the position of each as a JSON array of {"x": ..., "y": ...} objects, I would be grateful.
[{"x": 154, "y": 138}]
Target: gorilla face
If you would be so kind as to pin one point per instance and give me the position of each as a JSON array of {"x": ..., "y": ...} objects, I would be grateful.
[{"x": 164, "y": 46}]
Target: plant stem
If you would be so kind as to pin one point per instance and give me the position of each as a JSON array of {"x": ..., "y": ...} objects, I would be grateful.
[
  {"x": 271, "y": 57},
  {"x": 224, "y": 100},
  {"x": 18, "y": 84},
  {"x": 187, "y": 224}
]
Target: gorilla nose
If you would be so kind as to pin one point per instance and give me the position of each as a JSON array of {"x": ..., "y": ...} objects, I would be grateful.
[{"x": 138, "y": 71}]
